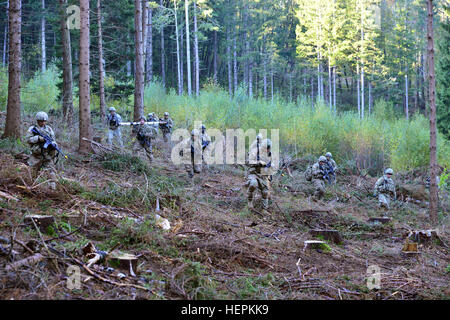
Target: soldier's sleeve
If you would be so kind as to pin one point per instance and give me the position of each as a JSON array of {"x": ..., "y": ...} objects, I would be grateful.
[
  {"x": 52, "y": 134},
  {"x": 377, "y": 184},
  {"x": 30, "y": 137},
  {"x": 119, "y": 118}
]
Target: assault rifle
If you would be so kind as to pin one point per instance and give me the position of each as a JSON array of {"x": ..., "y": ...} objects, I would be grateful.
[
  {"x": 326, "y": 173},
  {"x": 136, "y": 123},
  {"x": 49, "y": 144}
]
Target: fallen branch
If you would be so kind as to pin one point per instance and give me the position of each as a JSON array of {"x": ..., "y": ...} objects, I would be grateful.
[{"x": 27, "y": 261}]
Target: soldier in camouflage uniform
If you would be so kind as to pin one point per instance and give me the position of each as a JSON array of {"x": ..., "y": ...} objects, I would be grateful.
[
  {"x": 318, "y": 172},
  {"x": 192, "y": 148},
  {"x": 331, "y": 164},
  {"x": 144, "y": 136},
  {"x": 166, "y": 128},
  {"x": 113, "y": 121},
  {"x": 42, "y": 159},
  {"x": 151, "y": 117},
  {"x": 385, "y": 189},
  {"x": 259, "y": 163}
]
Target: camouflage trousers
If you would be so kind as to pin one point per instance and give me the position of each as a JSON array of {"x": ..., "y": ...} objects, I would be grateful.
[
  {"x": 46, "y": 164},
  {"x": 193, "y": 168},
  {"x": 384, "y": 200},
  {"x": 319, "y": 186},
  {"x": 166, "y": 136},
  {"x": 148, "y": 149},
  {"x": 115, "y": 135},
  {"x": 261, "y": 183}
]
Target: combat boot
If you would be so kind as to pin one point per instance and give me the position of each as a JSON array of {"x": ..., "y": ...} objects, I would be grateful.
[{"x": 250, "y": 204}]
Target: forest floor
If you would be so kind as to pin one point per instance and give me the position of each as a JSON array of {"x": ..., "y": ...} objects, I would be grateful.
[{"x": 216, "y": 248}]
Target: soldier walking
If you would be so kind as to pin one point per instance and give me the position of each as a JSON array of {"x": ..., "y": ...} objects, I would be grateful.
[
  {"x": 166, "y": 127},
  {"x": 259, "y": 163},
  {"x": 332, "y": 167},
  {"x": 192, "y": 148},
  {"x": 144, "y": 136},
  {"x": 318, "y": 177},
  {"x": 114, "y": 121},
  {"x": 42, "y": 158},
  {"x": 385, "y": 189}
]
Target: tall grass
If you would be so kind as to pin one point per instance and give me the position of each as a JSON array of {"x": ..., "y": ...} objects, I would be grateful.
[{"x": 378, "y": 141}]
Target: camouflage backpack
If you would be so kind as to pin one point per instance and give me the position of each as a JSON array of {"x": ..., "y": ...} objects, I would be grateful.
[{"x": 308, "y": 173}]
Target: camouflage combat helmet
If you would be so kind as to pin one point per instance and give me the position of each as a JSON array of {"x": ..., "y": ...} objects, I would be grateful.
[
  {"x": 194, "y": 133},
  {"x": 112, "y": 109},
  {"x": 166, "y": 114},
  {"x": 322, "y": 159},
  {"x": 41, "y": 116},
  {"x": 389, "y": 171},
  {"x": 328, "y": 155}
]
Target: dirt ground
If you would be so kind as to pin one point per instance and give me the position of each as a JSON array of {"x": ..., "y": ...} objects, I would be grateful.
[{"x": 216, "y": 248}]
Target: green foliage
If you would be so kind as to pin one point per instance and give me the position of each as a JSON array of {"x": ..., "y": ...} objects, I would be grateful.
[
  {"x": 124, "y": 162},
  {"x": 41, "y": 91},
  {"x": 443, "y": 79}
]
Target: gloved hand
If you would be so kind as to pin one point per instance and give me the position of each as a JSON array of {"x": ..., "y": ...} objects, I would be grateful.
[
  {"x": 261, "y": 163},
  {"x": 41, "y": 139}
]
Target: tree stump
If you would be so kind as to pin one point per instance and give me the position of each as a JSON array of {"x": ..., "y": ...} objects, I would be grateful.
[
  {"x": 42, "y": 222},
  {"x": 123, "y": 261},
  {"x": 330, "y": 235},
  {"x": 315, "y": 244}
]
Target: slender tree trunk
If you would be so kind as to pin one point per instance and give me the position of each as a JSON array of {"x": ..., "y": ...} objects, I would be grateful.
[
  {"x": 5, "y": 37},
  {"x": 188, "y": 49},
  {"x": 406, "y": 97},
  {"x": 432, "y": 96},
  {"x": 163, "y": 58},
  {"x": 197, "y": 60},
  {"x": 13, "y": 116},
  {"x": 180, "y": 88},
  {"x": 100, "y": 64},
  {"x": 215, "y": 57},
  {"x": 370, "y": 97},
  {"x": 43, "y": 49},
  {"x": 362, "y": 92},
  {"x": 265, "y": 75},
  {"x": 271, "y": 82},
  {"x": 235, "y": 68},
  {"x": 330, "y": 95},
  {"x": 149, "y": 50},
  {"x": 334, "y": 88},
  {"x": 67, "y": 66},
  {"x": 182, "y": 59},
  {"x": 139, "y": 64},
  {"x": 84, "y": 85},
  {"x": 362, "y": 63},
  {"x": 145, "y": 9},
  {"x": 357, "y": 89},
  {"x": 230, "y": 71}
]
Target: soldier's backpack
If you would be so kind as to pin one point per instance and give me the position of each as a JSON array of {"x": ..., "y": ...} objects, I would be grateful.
[{"x": 308, "y": 173}]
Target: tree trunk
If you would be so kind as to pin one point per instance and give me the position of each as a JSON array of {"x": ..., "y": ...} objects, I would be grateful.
[
  {"x": 139, "y": 64},
  {"x": 265, "y": 75},
  {"x": 43, "y": 49},
  {"x": 145, "y": 9},
  {"x": 230, "y": 71},
  {"x": 197, "y": 60},
  {"x": 188, "y": 49},
  {"x": 432, "y": 97},
  {"x": 406, "y": 98},
  {"x": 334, "y": 89},
  {"x": 271, "y": 82},
  {"x": 163, "y": 58},
  {"x": 84, "y": 85},
  {"x": 67, "y": 66},
  {"x": 357, "y": 89},
  {"x": 180, "y": 88},
  {"x": 182, "y": 59},
  {"x": 215, "y": 57},
  {"x": 235, "y": 68},
  {"x": 100, "y": 64},
  {"x": 370, "y": 97},
  {"x": 330, "y": 95},
  {"x": 13, "y": 117},
  {"x": 5, "y": 37},
  {"x": 149, "y": 50}
]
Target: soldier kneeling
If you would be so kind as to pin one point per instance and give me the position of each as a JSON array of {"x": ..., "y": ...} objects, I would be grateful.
[{"x": 385, "y": 189}]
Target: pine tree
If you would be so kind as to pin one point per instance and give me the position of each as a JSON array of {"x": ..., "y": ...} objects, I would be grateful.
[{"x": 443, "y": 78}]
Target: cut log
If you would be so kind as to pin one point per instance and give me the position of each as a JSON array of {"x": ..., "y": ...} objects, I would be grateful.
[
  {"x": 43, "y": 222},
  {"x": 7, "y": 196},
  {"x": 382, "y": 220},
  {"x": 27, "y": 261},
  {"x": 123, "y": 261},
  {"x": 410, "y": 247},
  {"x": 330, "y": 235}
]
